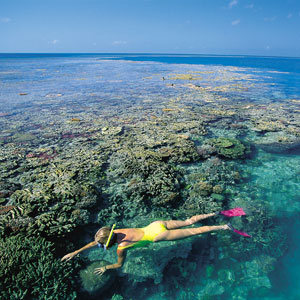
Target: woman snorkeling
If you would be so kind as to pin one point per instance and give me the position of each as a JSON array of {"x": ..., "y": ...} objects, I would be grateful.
[{"x": 157, "y": 231}]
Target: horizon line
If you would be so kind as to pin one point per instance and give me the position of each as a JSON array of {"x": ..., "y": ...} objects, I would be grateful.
[{"x": 152, "y": 53}]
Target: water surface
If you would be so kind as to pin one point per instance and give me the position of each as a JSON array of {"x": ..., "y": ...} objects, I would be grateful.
[{"x": 240, "y": 97}]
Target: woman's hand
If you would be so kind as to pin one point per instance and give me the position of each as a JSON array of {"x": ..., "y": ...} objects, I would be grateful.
[
  {"x": 100, "y": 271},
  {"x": 68, "y": 256}
]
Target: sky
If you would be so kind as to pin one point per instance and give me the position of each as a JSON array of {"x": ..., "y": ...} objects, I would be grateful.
[{"x": 247, "y": 27}]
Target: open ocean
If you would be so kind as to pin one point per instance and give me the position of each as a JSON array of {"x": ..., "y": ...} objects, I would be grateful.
[{"x": 65, "y": 109}]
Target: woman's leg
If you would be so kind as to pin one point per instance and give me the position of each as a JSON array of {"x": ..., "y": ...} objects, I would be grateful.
[
  {"x": 173, "y": 224},
  {"x": 178, "y": 234}
]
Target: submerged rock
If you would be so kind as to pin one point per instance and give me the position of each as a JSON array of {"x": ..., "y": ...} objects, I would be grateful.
[
  {"x": 211, "y": 290},
  {"x": 149, "y": 263},
  {"x": 94, "y": 284},
  {"x": 278, "y": 142}
]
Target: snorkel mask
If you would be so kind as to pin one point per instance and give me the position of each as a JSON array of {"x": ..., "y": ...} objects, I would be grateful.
[{"x": 100, "y": 245}]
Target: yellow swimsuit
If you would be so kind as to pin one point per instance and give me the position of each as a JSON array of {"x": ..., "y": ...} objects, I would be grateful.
[{"x": 150, "y": 233}]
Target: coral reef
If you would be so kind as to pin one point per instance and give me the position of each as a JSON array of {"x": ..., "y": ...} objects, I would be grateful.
[
  {"x": 207, "y": 185},
  {"x": 135, "y": 153},
  {"x": 229, "y": 147},
  {"x": 52, "y": 209},
  {"x": 185, "y": 77},
  {"x": 30, "y": 270},
  {"x": 117, "y": 297},
  {"x": 53, "y": 199},
  {"x": 145, "y": 177}
]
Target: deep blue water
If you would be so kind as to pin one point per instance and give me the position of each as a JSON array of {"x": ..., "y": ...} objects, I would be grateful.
[
  {"x": 83, "y": 79},
  {"x": 283, "y": 64}
]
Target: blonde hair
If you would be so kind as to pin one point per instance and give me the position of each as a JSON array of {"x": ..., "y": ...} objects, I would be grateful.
[{"x": 102, "y": 235}]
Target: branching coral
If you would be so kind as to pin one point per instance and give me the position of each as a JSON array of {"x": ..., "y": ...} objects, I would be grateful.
[
  {"x": 145, "y": 177},
  {"x": 29, "y": 270}
]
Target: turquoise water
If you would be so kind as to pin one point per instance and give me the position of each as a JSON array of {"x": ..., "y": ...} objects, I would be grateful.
[{"x": 252, "y": 99}]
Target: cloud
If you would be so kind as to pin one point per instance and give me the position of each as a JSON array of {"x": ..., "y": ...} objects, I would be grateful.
[
  {"x": 119, "y": 43},
  {"x": 270, "y": 19},
  {"x": 5, "y": 20},
  {"x": 53, "y": 42},
  {"x": 235, "y": 22},
  {"x": 289, "y": 15},
  {"x": 250, "y": 6},
  {"x": 267, "y": 47},
  {"x": 232, "y": 3}
]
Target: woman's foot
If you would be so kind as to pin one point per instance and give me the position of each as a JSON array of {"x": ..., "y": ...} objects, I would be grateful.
[
  {"x": 227, "y": 227},
  {"x": 230, "y": 226}
]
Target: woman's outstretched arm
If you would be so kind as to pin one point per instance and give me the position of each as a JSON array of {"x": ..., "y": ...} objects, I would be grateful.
[
  {"x": 119, "y": 264},
  {"x": 72, "y": 254}
]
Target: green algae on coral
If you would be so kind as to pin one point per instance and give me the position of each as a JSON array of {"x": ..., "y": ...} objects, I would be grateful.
[
  {"x": 217, "y": 197},
  {"x": 229, "y": 147},
  {"x": 23, "y": 137}
]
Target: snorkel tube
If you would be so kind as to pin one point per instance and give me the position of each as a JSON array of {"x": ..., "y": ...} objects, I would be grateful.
[
  {"x": 108, "y": 240},
  {"x": 110, "y": 235}
]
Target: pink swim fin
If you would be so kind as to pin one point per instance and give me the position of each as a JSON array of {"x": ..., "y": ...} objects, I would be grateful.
[
  {"x": 235, "y": 212},
  {"x": 239, "y": 232},
  {"x": 242, "y": 233}
]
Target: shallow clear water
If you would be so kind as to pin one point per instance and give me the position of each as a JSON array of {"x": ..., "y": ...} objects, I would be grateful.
[{"x": 38, "y": 93}]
